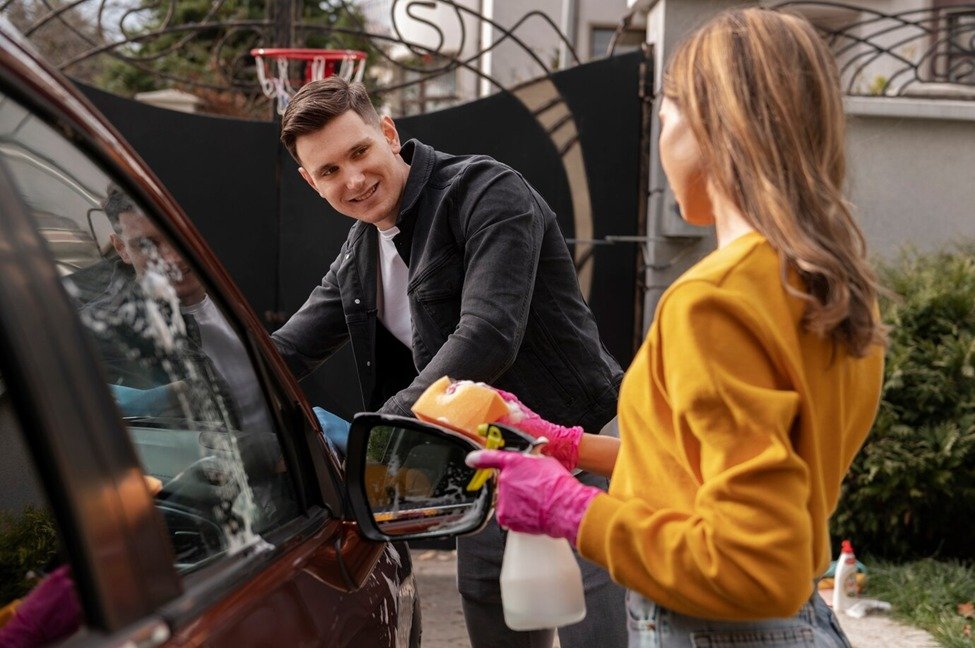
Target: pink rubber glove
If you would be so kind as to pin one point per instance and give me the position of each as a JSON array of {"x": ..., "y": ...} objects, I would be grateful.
[
  {"x": 50, "y": 611},
  {"x": 536, "y": 494},
  {"x": 563, "y": 442}
]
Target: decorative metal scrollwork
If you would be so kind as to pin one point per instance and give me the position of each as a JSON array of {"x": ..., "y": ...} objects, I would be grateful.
[
  {"x": 81, "y": 35},
  {"x": 156, "y": 32},
  {"x": 926, "y": 52}
]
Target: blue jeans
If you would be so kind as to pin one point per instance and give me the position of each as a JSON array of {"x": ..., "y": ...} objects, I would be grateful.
[{"x": 652, "y": 626}]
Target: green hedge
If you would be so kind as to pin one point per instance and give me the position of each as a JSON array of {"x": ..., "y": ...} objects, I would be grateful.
[
  {"x": 911, "y": 490},
  {"x": 28, "y": 543}
]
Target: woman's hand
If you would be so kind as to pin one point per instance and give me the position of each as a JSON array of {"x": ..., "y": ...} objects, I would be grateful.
[
  {"x": 563, "y": 442},
  {"x": 536, "y": 494},
  {"x": 50, "y": 612}
]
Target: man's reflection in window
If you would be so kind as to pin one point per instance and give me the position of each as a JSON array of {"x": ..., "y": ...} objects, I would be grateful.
[
  {"x": 169, "y": 333},
  {"x": 174, "y": 363}
]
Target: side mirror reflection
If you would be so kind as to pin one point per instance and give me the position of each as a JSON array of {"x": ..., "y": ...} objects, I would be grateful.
[{"x": 408, "y": 479}]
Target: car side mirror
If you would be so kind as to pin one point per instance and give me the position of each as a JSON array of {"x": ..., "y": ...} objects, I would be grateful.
[
  {"x": 408, "y": 480},
  {"x": 101, "y": 230}
]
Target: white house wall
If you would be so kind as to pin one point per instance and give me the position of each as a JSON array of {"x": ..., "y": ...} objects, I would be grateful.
[{"x": 910, "y": 167}]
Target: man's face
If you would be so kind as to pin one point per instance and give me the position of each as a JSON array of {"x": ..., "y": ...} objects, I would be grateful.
[
  {"x": 144, "y": 247},
  {"x": 356, "y": 167}
]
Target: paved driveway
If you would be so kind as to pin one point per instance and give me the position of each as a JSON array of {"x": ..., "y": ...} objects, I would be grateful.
[{"x": 443, "y": 621}]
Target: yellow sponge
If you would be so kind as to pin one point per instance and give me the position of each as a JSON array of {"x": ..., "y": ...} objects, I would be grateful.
[{"x": 461, "y": 406}]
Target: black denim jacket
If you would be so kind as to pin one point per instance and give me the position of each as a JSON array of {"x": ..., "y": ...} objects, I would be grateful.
[{"x": 492, "y": 291}]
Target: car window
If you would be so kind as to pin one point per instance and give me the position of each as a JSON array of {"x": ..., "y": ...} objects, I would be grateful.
[
  {"x": 38, "y": 603},
  {"x": 180, "y": 374}
]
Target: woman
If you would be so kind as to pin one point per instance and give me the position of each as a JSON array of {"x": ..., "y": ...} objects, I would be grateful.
[{"x": 760, "y": 377}]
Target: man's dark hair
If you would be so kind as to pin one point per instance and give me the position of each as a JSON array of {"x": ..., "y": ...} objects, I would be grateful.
[
  {"x": 318, "y": 103},
  {"x": 117, "y": 202}
]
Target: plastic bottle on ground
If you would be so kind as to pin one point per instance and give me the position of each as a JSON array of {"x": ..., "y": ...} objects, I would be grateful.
[{"x": 845, "y": 579}]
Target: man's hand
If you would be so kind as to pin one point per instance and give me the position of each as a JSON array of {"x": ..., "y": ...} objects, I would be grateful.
[
  {"x": 336, "y": 429},
  {"x": 563, "y": 442},
  {"x": 154, "y": 484},
  {"x": 536, "y": 494}
]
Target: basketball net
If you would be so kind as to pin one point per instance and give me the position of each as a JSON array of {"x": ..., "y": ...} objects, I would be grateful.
[{"x": 273, "y": 69}]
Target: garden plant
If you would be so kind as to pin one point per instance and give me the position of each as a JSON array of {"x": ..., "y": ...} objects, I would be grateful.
[{"x": 908, "y": 502}]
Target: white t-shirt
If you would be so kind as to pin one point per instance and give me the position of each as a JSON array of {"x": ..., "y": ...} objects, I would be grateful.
[
  {"x": 393, "y": 306},
  {"x": 229, "y": 357}
]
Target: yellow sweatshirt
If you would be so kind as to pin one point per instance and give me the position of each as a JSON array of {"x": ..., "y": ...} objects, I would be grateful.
[{"x": 737, "y": 427}]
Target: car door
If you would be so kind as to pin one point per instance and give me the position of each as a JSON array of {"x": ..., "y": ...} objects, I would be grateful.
[{"x": 193, "y": 494}]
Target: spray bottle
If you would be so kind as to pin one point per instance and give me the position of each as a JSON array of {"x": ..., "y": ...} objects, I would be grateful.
[
  {"x": 541, "y": 583},
  {"x": 845, "y": 579}
]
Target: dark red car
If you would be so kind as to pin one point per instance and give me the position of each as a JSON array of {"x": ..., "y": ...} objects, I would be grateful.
[{"x": 155, "y": 453}]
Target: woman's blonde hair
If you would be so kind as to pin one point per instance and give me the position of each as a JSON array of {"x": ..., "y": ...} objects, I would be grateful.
[{"x": 761, "y": 92}]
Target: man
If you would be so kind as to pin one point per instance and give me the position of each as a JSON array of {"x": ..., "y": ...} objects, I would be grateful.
[{"x": 455, "y": 266}]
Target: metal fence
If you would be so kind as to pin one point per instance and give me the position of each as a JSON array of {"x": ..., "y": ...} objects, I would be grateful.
[{"x": 922, "y": 52}]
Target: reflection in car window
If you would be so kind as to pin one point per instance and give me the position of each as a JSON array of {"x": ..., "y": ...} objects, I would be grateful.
[
  {"x": 35, "y": 580},
  {"x": 179, "y": 373}
]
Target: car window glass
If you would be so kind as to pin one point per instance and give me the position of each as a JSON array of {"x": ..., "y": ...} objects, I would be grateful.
[
  {"x": 38, "y": 602},
  {"x": 180, "y": 374}
]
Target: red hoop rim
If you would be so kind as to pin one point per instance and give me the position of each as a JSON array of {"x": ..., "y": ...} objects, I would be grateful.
[{"x": 297, "y": 54}]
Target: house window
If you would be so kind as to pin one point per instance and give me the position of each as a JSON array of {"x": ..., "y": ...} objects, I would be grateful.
[
  {"x": 424, "y": 93},
  {"x": 959, "y": 59},
  {"x": 601, "y": 37}
]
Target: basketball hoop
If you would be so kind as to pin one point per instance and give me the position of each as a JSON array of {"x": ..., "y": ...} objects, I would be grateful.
[{"x": 274, "y": 74}]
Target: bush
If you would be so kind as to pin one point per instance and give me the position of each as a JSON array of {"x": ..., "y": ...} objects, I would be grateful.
[
  {"x": 28, "y": 542},
  {"x": 911, "y": 490}
]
